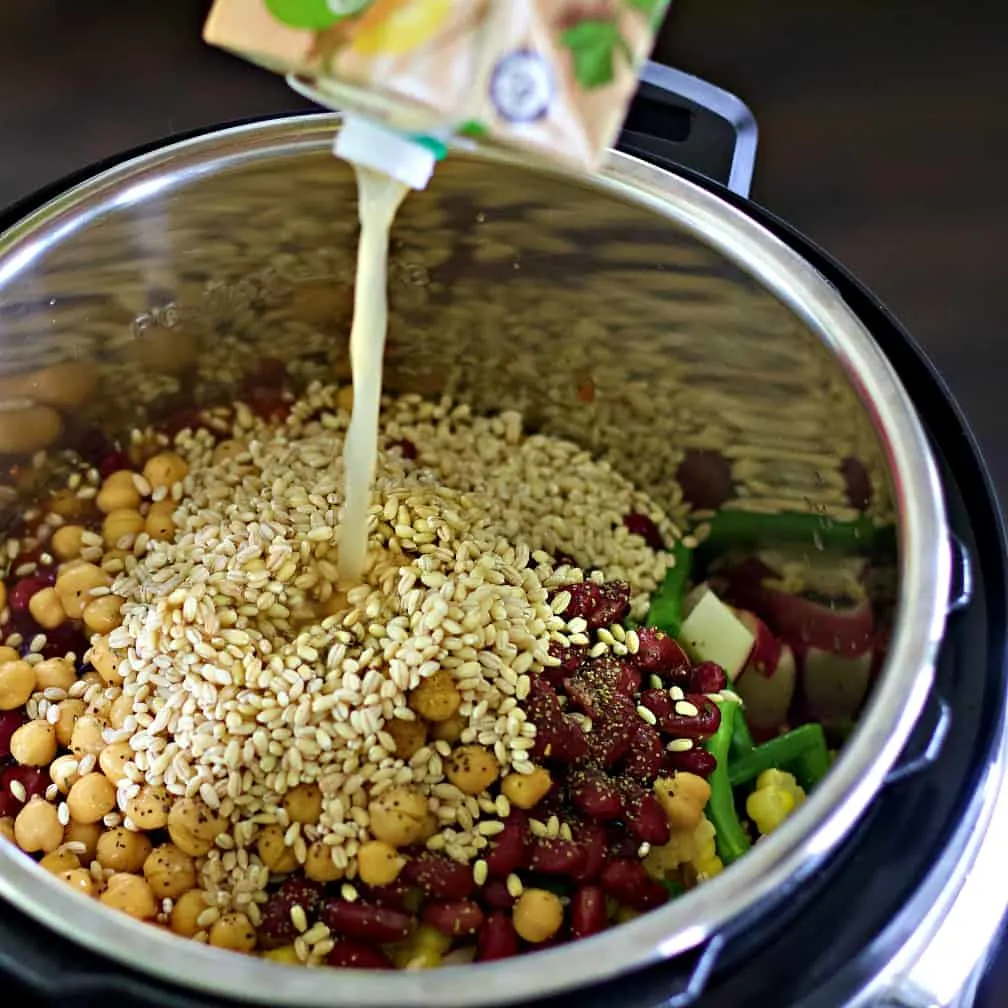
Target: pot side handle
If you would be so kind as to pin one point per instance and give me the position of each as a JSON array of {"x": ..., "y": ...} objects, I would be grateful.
[{"x": 676, "y": 119}]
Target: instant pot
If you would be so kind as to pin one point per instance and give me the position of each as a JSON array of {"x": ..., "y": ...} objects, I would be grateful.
[{"x": 178, "y": 268}]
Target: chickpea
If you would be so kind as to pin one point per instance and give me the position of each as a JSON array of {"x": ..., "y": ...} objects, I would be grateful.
[
  {"x": 193, "y": 826},
  {"x": 113, "y": 759},
  {"x": 28, "y": 429},
  {"x": 118, "y": 493},
  {"x": 17, "y": 683},
  {"x": 34, "y": 744},
  {"x": 91, "y": 798},
  {"x": 526, "y": 790},
  {"x": 148, "y": 809},
  {"x": 122, "y": 708},
  {"x": 161, "y": 351},
  {"x": 229, "y": 450},
  {"x": 55, "y": 673},
  {"x": 79, "y": 879},
  {"x": 103, "y": 614},
  {"x": 304, "y": 803},
  {"x": 87, "y": 834},
  {"x": 409, "y": 736},
  {"x": 398, "y": 816},
  {"x": 67, "y": 384},
  {"x": 63, "y": 772},
  {"x": 537, "y": 915},
  {"x": 46, "y": 609},
  {"x": 437, "y": 698},
  {"x": 273, "y": 852},
  {"x": 37, "y": 827},
  {"x": 472, "y": 769},
  {"x": 69, "y": 713},
  {"x": 165, "y": 470},
  {"x": 319, "y": 865},
  {"x": 159, "y": 525},
  {"x": 7, "y": 829},
  {"x": 185, "y": 911},
  {"x": 6, "y": 653},
  {"x": 87, "y": 738},
  {"x": 169, "y": 871},
  {"x": 122, "y": 850},
  {"x": 449, "y": 730},
  {"x": 344, "y": 398},
  {"x": 131, "y": 895},
  {"x": 66, "y": 542},
  {"x": 379, "y": 863},
  {"x": 60, "y": 860},
  {"x": 683, "y": 798},
  {"x": 121, "y": 523},
  {"x": 74, "y": 584},
  {"x": 103, "y": 661},
  {"x": 67, "y": 504},
  {"x": 233, "y": 931}
]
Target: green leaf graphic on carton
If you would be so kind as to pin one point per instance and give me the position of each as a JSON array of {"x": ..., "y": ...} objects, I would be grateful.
[
  {"x": 594, "y": 46},
  {"x": 314, "y": 15}
]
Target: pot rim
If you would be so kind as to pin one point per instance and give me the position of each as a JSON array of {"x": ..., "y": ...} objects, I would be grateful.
[{"x": 792, "y": 852}]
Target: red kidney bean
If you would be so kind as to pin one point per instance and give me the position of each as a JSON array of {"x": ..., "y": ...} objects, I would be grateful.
[
  {"x": 275, "y": 927},
  {"x": 641, "y": 525},
  {"x": 356, "y": 955},
  {"x": 64, "y": 639},
  {"x": 644, "y": 760},
  {"x": 707, "y": 677},
  {"x": 701, "y": 725},
  {"x": 609, "y": 740},
  {"x": 496, "y": 896},
  {"x": 563, "y": 559},
  {"x": 115, "y": 461},
  {"x": 705, "y": 478},
  {"x": 461, "y": 917},
  {"x": 407, "y": 448},
  {"x": 620, "y": 846},
  {"x": 91, "y": 444},
  {"x": 591, "y": 838},
  {"x": 510, "y": 849},
  {"x": 303, "y": 892},
  {"x": 10, "y": 721},
  {"x": 268, "y": 403},
  {"x": 439, "y": 876},
  {"x": 34, "y": 780},
  {"x": 596, "y": 796},
  {"x": 857, "y": 482},
  {"x": 554, "y": 856},
  {"x": 584, "y": 598},
  {"x": 571, "y": 658},
  {"x": 658, "y": 653},
  {"x": 496, "y": 938},
  {"x": 612, "y": 607},
  {"x": 695, "y": 761},
  {"x": 588, "y": 911},
  {"x": 647, "y": 821},
  {"x": 630, "y": 885},
  {"x": 557, "y": 737},
  {"x": 20, "y": 595},
  {"x": 367, "y": 922},
  {"x": 394, "y": 895}
]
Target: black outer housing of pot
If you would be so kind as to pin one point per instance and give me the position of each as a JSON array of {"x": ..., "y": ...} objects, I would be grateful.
[{"x": 827, "y": 938}]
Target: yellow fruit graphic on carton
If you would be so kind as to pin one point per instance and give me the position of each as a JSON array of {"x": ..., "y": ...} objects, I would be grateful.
[{"x": 405, "y": 25}]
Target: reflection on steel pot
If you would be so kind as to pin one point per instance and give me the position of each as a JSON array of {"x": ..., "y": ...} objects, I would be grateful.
[{"x": 638, "y": 314}]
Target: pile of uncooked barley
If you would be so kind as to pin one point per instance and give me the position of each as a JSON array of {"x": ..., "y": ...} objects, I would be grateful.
[{"x": 265, "y": 716}]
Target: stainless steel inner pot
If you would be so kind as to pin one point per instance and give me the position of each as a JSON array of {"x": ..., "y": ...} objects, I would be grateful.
[{"x": 636, "y": 313}]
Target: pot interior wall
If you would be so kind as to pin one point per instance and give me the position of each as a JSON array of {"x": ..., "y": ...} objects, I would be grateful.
[{"x": 597, "y": 318}]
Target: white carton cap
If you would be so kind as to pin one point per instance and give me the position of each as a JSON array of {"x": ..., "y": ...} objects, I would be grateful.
[{"x": 406, "y": 159}]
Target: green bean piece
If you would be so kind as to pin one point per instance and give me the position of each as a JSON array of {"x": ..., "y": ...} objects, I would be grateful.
[
  {"x": 666, "y": 610},
  {"x": 730, "y": 836},
  {"x": 742, "y": 741},
  {"x": 802, "y": 751},
  {"x": 735, "y": 529}
]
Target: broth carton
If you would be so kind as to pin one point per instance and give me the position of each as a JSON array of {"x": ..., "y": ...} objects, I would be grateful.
[{"x": 552, "y": 77}]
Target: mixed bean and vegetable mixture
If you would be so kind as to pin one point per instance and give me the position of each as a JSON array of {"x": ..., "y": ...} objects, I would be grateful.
[{"x": 532, "y": 721}]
